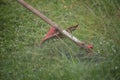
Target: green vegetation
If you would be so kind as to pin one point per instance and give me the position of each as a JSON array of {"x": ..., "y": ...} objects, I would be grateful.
[{"x": 21, "y": 31}]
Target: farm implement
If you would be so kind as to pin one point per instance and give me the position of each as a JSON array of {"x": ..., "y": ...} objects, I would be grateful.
[{"x": 57, "y": 31}]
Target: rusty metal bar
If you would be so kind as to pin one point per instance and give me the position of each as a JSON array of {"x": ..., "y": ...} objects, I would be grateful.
[{"x": 53, "y": 24}]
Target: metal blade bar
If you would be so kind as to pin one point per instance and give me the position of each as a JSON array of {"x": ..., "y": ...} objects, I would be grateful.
[{"x": 53, "y": 24}]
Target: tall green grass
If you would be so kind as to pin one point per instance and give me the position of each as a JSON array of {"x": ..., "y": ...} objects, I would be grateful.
[{"x": 20, "y": 31}]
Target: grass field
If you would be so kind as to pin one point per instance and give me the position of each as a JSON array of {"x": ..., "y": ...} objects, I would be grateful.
[{"x": 21, "y": 31}]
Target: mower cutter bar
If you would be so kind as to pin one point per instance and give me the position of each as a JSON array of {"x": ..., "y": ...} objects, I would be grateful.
[{"x": 50, "y": 22}]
